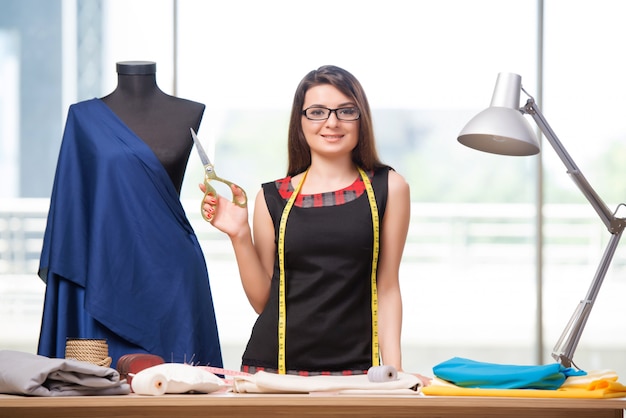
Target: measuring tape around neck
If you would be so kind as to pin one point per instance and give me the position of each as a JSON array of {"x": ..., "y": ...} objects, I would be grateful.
[{"x": 282, "y": 305}]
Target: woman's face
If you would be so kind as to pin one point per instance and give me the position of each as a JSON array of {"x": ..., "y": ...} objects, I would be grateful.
[{"x": 330, "y": 137}]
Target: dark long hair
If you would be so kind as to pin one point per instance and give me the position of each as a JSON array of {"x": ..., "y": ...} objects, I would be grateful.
[{"x": 364, "y": 154}]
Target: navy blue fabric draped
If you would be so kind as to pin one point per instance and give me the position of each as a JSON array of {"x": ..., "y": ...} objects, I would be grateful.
[{"x": 120, "y": 258}]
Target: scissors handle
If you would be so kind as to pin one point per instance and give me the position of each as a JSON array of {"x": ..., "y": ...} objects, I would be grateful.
[{"x": 211, "y": 190}]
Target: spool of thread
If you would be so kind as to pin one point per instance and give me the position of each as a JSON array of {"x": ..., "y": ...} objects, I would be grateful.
[{"x": 379, "y": 374}]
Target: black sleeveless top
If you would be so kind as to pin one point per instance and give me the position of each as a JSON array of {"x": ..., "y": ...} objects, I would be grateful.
[{"x": 328, "y": 260}]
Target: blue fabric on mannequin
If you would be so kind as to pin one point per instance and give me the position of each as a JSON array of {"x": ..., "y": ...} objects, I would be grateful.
[{"x": 120, "y": 258}]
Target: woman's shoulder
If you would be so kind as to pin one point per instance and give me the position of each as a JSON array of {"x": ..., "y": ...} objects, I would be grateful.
[
  {"x": 277, "y": 190},
  {"x": 397, "y": 183},
  {"x": 390, "y": 173},
  {"x": 282, "y": 184}
]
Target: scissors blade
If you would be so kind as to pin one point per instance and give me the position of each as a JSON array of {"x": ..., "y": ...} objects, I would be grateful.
[{"x": 205, "y": 159}]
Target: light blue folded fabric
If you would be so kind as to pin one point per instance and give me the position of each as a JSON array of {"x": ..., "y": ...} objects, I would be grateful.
[{"x": 475, "y": 374}]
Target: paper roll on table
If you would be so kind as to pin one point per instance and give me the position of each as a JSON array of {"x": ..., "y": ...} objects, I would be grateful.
[
  {"x": 379, "y": 374},
  {"x": 149, "y": 384}
]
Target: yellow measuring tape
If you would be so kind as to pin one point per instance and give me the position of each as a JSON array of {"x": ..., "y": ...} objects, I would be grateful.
[{"x": 282, "y": 305}]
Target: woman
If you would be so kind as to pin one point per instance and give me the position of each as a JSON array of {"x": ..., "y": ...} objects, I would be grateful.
[{"x": 307, "y": 266}]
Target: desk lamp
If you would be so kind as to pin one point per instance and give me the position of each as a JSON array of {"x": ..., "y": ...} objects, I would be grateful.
[{"x": 502, "y": 129}]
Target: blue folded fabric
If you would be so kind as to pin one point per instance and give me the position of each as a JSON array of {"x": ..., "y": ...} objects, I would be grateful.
[{"x": 474, "y": 374}]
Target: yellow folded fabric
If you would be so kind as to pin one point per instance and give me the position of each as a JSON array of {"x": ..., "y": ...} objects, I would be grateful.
[
  {"x": 597, "y": 389},
  {"x": 590, "y": 377}
]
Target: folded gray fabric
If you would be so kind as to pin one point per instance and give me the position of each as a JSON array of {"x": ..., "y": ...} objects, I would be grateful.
[{"x": 34, "y": 375}]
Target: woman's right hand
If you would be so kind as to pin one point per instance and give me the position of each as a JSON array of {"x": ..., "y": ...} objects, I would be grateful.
[{"x": 226, "y": 216}]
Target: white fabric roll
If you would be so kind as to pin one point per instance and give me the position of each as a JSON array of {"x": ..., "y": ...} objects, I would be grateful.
[
  {"x": 263, "y": 382},
  {"x": 175, "y": 378},
  {"x": 382, "y": 374},
  {"x": 149, "y": 384}
]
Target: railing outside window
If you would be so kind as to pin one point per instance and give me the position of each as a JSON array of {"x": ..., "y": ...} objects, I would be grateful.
[{"x": 463, "y": 265}]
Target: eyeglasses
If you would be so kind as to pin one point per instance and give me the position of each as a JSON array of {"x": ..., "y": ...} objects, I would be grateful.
[{"x": 323, "y": 113}]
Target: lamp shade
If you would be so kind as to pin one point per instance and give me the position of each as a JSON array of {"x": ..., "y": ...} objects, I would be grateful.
[{"x": 502, "y": 128}]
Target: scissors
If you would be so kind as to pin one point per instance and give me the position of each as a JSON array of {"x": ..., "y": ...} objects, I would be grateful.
[{"x": 210, "y": 175}]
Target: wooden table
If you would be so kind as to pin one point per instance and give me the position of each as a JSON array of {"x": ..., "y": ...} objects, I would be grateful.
[{"x": 314, "y": 405}]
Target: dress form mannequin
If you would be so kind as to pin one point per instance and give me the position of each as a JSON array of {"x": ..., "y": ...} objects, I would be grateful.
[
  {"x": 160, "y": 120},
  {"x": 120, "y": 259}
]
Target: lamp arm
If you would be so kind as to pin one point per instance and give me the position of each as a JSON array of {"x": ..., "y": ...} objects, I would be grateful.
[
  {"x": 612, "y": 223},
  {"x": 563, "y": 350},
  {"x": 567, "y": 343}
]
